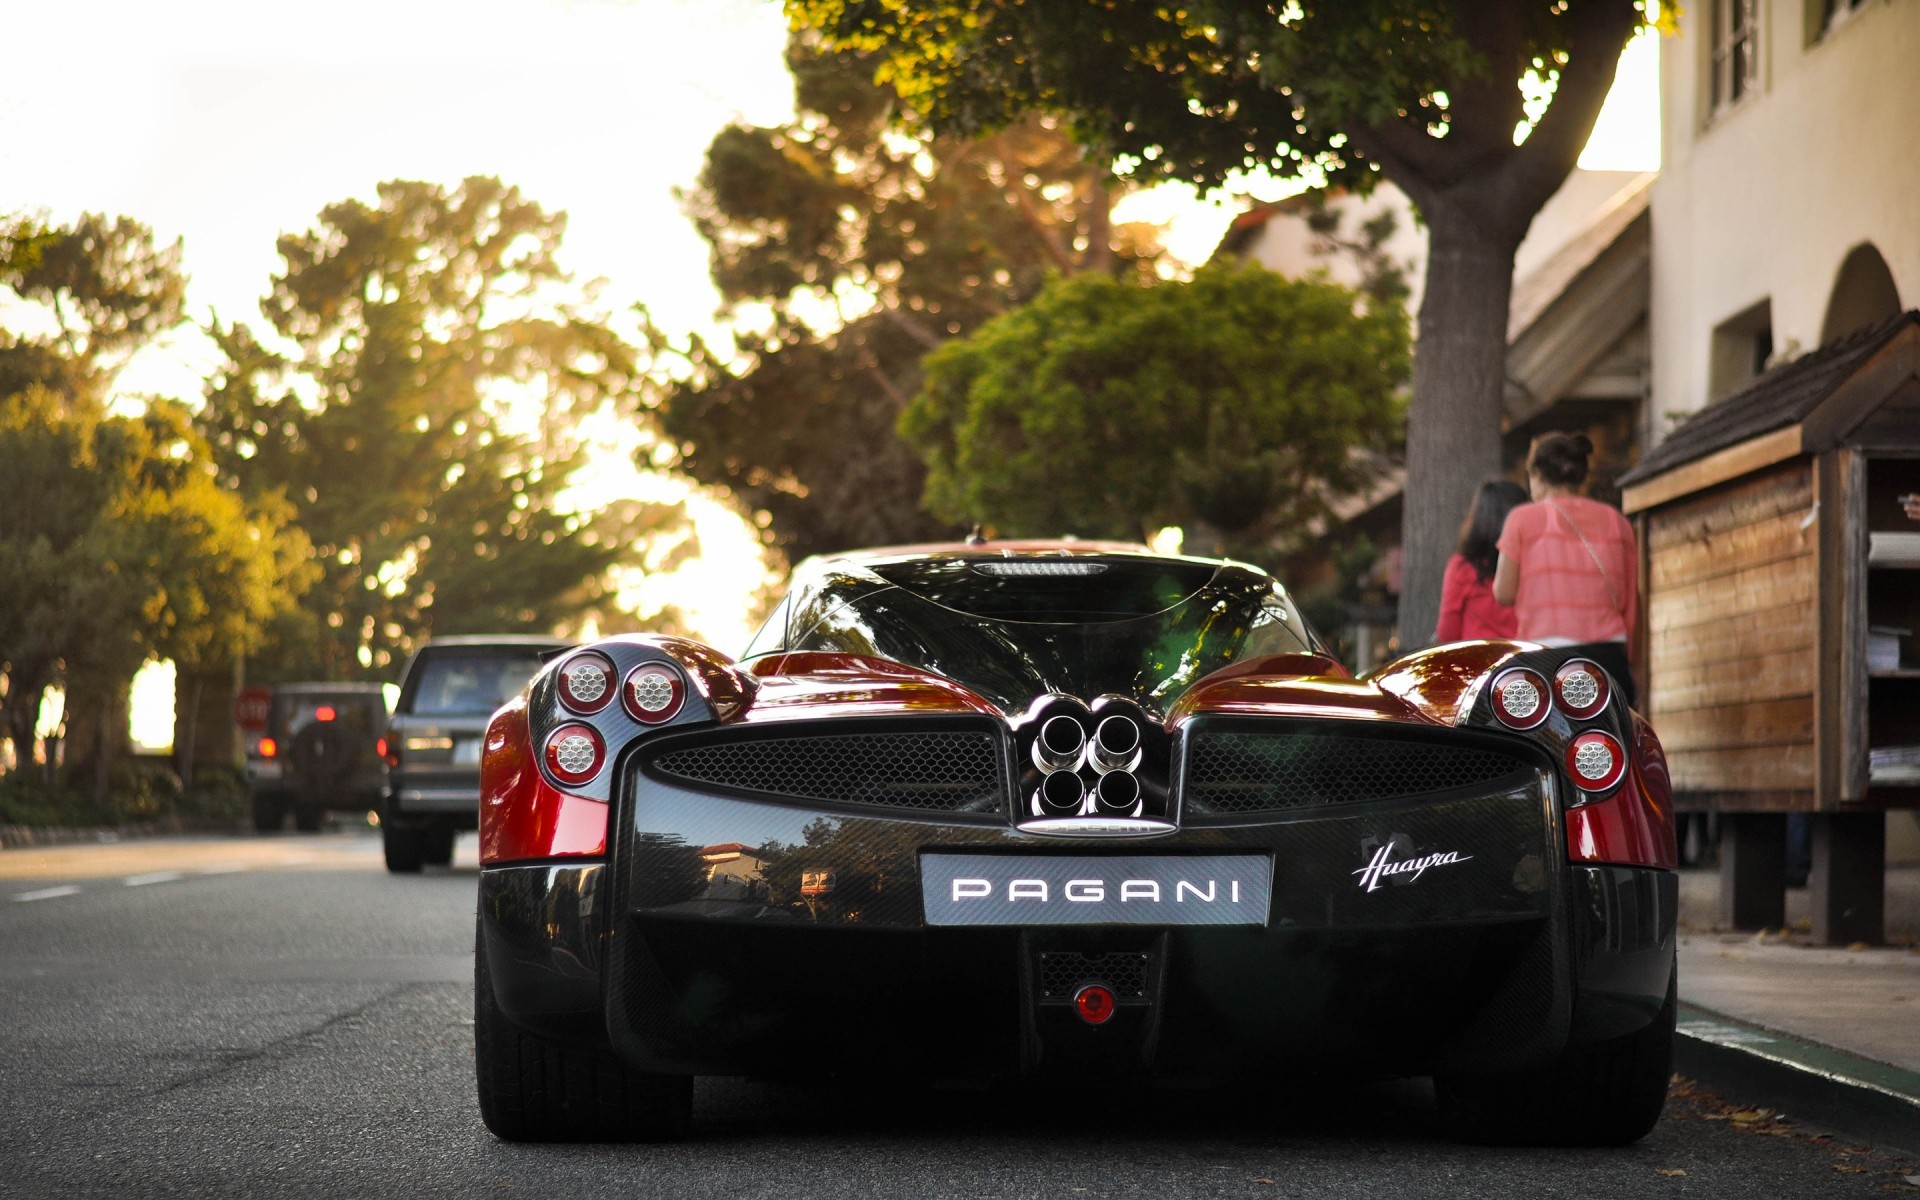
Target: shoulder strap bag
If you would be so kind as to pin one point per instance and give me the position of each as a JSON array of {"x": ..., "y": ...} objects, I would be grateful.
[{"x": 1604, "y": 577}]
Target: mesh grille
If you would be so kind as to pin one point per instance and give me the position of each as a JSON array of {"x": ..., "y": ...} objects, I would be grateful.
[
  {"x": 1262, "y": 772},
  {"x": 948, "y": 771},
  {"x": 1063, "y": 971}
]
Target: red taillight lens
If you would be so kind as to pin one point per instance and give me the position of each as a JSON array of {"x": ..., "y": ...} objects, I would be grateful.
[
  {"x": 586, "y": 682},
  {"x": 653, "y": 693},
  {"x": 380, "y": 747},
  {"x": 1596, "y": 760},
  {"x": 575, "y": 753},
  {"x": 1580, "y": 688},
  {"x": 1521, "y": 699},
  {"x": 268, "y": 747},
  {"x": 324, "y": 713},
  {"x": 1094, "y": 1003}
]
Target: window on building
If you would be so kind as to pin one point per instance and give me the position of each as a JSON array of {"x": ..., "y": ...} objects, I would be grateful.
[
  {"x": 1742, "y": 349},
  {"x": 1833, "y": 12},
  {"x": 1736, "y": 50}
]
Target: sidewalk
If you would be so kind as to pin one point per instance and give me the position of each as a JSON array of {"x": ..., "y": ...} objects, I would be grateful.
[{"x": 1833, "y": 1034}]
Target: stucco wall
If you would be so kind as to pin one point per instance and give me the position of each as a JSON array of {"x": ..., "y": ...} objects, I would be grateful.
[{"x": 1764, "y": 201}]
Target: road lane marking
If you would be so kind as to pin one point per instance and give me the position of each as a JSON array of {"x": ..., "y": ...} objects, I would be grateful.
[
  {"x": 48, "y": 893},
  {"x": 153, "y": 877},
  {"x": 224, "y": 869}
]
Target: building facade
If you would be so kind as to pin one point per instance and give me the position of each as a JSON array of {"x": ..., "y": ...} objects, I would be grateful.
[{"x": 1787, "y": 210}]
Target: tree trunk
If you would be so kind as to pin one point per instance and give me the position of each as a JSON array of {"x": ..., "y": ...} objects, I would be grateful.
[
  {"x": 1459, "y": 380},
  {"x": 186, "y": 726},
  {"x": 21, "y": 712}
]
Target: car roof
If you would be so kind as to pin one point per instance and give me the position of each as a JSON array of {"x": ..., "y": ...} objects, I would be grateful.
[{"x": 496, "y": 639}]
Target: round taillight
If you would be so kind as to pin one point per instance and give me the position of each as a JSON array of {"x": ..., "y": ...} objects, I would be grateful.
[
  {"x": 575, "y": 752},
  {"x": 586, "y": 682},
  {"x": 1520, "y": 698},
  {"x": 1581, "y": 689},
  {"x": 1094, "y": 1003},
  {"x": 654, "y": 693},
  {"x": 1596, "y": 761}
]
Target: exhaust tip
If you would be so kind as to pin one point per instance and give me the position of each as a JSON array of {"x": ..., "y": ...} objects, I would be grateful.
[
  {"x": 1059, "y": 743},
  {"x": 1117, "y": 791},
  {"x": 1062, "y": 792}
]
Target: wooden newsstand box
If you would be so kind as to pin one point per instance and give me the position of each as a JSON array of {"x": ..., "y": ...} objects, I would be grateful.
[{"x": 1782, "y": 602}]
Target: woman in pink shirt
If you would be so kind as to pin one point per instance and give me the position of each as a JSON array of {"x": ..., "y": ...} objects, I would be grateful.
[
  {"x": 1468, "y": 610},
  {"x": 1569, "y": 565}
]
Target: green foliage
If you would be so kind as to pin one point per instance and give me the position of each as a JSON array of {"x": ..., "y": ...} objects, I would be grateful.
[
  {"x": 1240, "y": 399},
  {"x": 106, "y": 288},
  {"x": 869, "y": 244},
  {"x": 415, "y": 404}
]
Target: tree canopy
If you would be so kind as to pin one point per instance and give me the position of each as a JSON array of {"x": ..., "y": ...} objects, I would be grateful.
[
  {"x": 867, "y": 244},
  {"x": 415, "y": 401},
  {"x": 1239, "y": 402},
  {"x": 1477, "y": 109}
]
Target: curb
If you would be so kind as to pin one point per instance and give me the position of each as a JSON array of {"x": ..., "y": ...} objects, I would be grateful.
[{"x": 1868, "y": 1101}]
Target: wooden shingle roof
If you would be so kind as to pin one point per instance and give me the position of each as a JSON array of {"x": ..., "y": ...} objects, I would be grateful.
[{"x": 1783, "y": 396}]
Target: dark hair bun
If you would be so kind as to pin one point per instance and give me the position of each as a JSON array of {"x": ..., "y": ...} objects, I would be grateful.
[{"x": 1560, "y": 458}]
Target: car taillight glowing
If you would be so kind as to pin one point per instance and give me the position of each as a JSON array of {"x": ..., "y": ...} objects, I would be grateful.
[
  {"x": 1094, "y": 1003},
  {"x": 575, "y": 753},
  {"x": 1581, "y": 689},
  {"x": 586, "y": 683},
  {"x": 1521, "y": 699},
  {"x": 325, "y": 713},
  {"x": 268, "y": 747},
  {"x": 653, "y": 693},
  {"x": 1596, "y": 760}
]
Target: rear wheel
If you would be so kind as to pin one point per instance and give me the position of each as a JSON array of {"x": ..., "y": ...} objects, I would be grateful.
[
  {"x": 438, "y": 846},
  {"x": 269, "y": 814},
  {"x": 1608, "y": 1094},
  {"x": 535, "y": 1090},
  {"x": 406, "y": 849}
]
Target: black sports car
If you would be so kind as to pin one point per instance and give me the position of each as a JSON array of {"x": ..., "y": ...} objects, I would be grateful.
[{"x": 1060, "y": 811}]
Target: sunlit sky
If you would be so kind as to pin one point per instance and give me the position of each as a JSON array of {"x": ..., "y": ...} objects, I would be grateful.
[{"x": 227, "y": 122}]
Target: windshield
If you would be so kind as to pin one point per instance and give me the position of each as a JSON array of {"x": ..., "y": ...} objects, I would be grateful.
[
  {"x": 1014, "y": 629},
  {"x": 456, "y": 682}
]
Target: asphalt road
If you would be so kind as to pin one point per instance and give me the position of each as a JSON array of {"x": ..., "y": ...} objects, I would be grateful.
[{"x": 279, "y": 1017}]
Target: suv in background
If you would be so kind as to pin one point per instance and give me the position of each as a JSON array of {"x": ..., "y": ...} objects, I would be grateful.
[
  {"x": 320, "y": 751},
  {"x": 449, "y": 692}
]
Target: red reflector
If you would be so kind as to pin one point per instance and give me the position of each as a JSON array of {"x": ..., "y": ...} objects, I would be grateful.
[
  {"x": 380, "y": 747},
  {"x": 268, "y": 747},
  {"x": 324, "y": 713},
  {"x": 1094, "y": 1003}
]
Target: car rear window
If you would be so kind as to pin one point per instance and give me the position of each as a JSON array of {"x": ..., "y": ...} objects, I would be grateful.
[{"x": 471, "y": 681}]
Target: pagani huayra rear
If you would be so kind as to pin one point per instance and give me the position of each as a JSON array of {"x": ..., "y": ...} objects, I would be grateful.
[{"x": 1069, "y": 812}]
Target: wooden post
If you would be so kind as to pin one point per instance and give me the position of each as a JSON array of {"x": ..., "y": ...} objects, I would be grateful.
[
  {"x": 1753, "y": 870},
  {"x": 1848, "y": 884}
]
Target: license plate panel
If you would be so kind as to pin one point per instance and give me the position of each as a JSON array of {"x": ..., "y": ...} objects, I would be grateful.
[{"x": 1086, "y": 889}]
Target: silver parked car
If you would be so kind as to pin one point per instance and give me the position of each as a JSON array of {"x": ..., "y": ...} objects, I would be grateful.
[{"x": 451, "y": 687}]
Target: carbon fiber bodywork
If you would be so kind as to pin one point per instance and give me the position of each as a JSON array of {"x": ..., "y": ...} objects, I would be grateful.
[{"x": 1496, "y": 961}]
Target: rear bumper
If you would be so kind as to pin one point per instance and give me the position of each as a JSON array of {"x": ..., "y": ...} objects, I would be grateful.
[
  {"x": 1498, "y": 962},
  {"x": 459, "y": 801}
]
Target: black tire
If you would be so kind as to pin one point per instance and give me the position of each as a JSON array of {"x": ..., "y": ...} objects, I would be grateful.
[
  {"x": 438, "y": 846},
  {"x": 307, "y": 818},
  {"x": 535, "y": 1090},
  {"x": 269, "y": 814},
  {"x": 1609, "y": 1094},
  {"x": 406, "y": 849}
]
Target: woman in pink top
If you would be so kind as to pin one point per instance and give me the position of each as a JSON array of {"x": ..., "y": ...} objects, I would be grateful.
[
  {"x": 1468, "y": 610},
  {"x": 1568, "y": 565}
]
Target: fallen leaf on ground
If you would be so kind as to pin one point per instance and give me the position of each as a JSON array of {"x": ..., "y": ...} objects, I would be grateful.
[
  {"x": 1670, "y": 1172},
  {"x": 1263, "y": 1181},
  {"x": 1849, "y": 1168},
  {"x": 1748, "y": 1116}
]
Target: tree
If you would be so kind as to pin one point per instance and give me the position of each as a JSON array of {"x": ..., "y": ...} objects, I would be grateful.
[
  {"x": 416, "y": 401},
  {"x": 868, "y": 245},
  {"x": 105, "y": 288},
  {"x": 1240, "y": 401},
  {"x": 1477, "y": 109}
]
